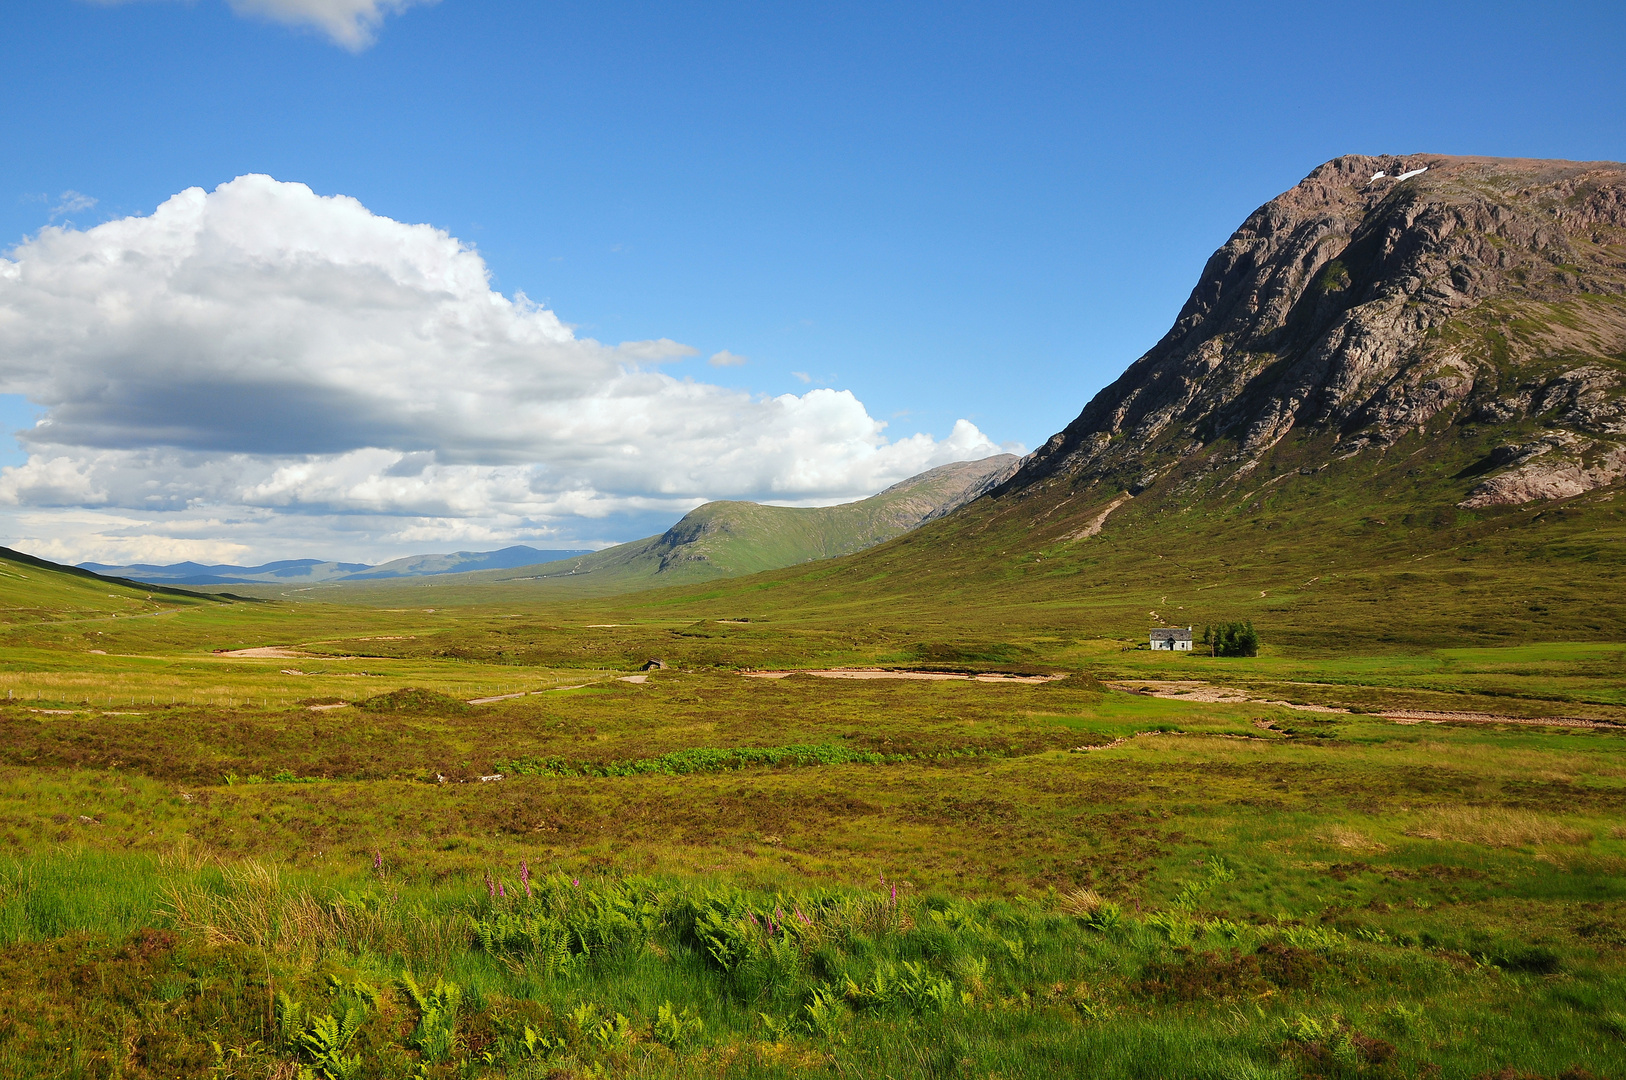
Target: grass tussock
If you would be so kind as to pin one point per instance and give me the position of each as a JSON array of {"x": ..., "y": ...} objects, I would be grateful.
[
  {"x": 414, "y": 701},
  {"x": 246, "y": 903},
  {"x": 1497, "y": 828},
  {"x": 1352, "y": 839}
]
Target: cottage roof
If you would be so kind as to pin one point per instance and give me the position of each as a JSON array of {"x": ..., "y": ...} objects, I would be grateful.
[{"x": 1172, "y": 633}]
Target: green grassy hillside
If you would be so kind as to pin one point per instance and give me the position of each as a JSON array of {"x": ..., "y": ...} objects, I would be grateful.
[
  {"x": 1339, "y": 555},
  {"x": 728, "y": 539},
  {"x": 35, "y": 590},
  {"x": 717, "y": 540}
]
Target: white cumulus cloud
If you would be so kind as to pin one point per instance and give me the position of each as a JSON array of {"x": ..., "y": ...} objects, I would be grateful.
[{"x": 263, "y": 366}]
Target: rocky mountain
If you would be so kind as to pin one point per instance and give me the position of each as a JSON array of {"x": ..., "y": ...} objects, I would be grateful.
[
  {"x": 1381, "y": 298},
  {"x": 1393, "y": 410},
  {"x": 726, "y": 539}
]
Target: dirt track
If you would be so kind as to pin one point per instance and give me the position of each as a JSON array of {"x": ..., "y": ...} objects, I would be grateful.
[
  {"x": 1192, "y": 690},
  {"x": 888, "y": 673},
  {"x": 264, "y": 652}
]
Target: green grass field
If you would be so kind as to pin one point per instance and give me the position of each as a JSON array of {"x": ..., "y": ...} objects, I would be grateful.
[{"x": 275, "y": 866}]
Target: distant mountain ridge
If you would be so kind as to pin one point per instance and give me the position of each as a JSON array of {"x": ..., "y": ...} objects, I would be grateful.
[
  {"x": 727, "y": 539},
  {"x": 715, "y": 540},
  {"x": 315, "y": 571}
]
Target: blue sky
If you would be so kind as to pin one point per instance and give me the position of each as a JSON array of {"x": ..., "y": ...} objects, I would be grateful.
[{"x": 953, "y": 211}]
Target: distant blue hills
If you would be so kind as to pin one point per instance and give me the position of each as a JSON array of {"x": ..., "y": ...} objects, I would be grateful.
[{"x": 315, "y": 571}]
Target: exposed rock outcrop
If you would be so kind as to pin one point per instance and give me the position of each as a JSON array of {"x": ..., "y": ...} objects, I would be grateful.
[
  {"x": 1563, "y": 466},
  {"x": 1368, "y": 308}
]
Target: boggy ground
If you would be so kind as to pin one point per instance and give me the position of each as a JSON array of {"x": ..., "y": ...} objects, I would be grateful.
[{"x": 705, "y": 874}]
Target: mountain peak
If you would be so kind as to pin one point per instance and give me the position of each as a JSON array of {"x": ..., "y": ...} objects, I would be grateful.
[{"x": 1376, "y": 295}]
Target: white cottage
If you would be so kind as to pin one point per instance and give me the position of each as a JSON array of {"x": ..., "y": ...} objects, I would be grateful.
[{"x": 1176, "y": 639}]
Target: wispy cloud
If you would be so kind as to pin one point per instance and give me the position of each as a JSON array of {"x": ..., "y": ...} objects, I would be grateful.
[
  {"x": 352, "y": 24},
  {"x": 71, "y": 202},
  {"x": 802, "y": 375},
  {"x": 726, "y": 359}
]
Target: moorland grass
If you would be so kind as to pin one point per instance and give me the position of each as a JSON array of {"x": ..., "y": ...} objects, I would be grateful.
[
  {"x": 206, "y": 870},
  {"x": 693, "y": 977},
  {"x": 1436, "y": 882}
]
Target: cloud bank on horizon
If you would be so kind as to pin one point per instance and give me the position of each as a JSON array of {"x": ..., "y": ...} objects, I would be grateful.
[
  {"x": 353, "y": 24},
  {"x": 261, "y": 369}
]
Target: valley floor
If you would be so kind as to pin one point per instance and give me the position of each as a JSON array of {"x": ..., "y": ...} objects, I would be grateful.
[{"x": 323, "y": 860}]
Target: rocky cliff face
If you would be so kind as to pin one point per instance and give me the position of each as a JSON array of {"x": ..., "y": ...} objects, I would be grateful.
[{"x": 1379, "y": 298}]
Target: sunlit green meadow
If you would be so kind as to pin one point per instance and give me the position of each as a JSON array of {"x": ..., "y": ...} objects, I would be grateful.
[{"x": 305, "y": 863}]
